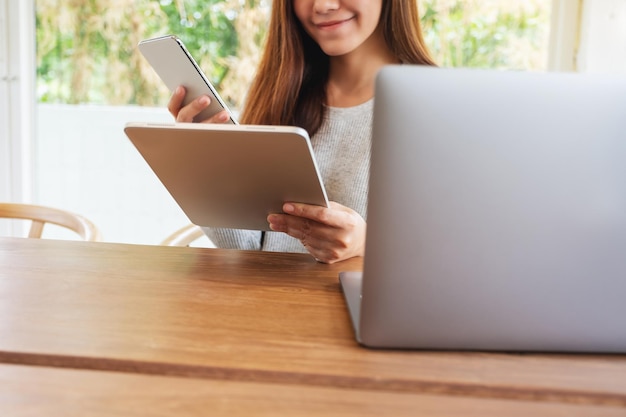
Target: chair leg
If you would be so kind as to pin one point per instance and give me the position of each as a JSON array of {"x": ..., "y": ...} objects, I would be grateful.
[{"x": 36, "y": 229}]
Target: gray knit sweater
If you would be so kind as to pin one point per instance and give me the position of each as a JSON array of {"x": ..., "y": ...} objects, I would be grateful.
[{"x": 342, "y": 148}]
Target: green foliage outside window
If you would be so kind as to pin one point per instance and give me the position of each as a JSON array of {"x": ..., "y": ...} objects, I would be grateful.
[
  {"x": 509, "y": 34},
  {"x": 86, "y": 49}
]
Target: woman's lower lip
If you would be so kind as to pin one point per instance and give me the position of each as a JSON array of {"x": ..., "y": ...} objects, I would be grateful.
[
  {"x": 332, "y": 25},
  {"x": 326, "y": 27}
]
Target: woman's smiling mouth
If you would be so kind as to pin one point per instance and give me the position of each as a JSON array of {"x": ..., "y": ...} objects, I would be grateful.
[{"x": 333, "y": 24}]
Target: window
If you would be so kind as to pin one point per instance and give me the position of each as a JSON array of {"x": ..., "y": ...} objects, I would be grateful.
[
  {"x": 16, "y": 105},
  {"x": 510, "y": 34}
]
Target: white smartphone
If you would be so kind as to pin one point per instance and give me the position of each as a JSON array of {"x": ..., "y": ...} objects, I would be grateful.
[{"x": 175, "y": 66}]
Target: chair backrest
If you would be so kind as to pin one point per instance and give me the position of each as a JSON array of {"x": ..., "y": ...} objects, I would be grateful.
[
  {"x": 40, "y": 215},
  {"x": 184, "y": 236}
]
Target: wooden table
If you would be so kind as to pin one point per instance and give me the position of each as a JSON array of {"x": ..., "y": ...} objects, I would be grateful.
[{"x": 267, "y": 331}]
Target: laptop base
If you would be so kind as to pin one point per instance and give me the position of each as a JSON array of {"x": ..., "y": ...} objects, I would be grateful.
[{"x": 351, "y": 286}]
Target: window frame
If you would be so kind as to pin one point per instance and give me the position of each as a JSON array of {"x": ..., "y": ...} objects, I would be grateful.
[
  {"x": 17, "y": 101},
  {"x": 17, "y": 106},
  {"x": 565, "y": 34}
]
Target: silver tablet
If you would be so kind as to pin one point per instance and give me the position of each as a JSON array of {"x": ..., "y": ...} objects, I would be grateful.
[{"x": 231, "y": 176}]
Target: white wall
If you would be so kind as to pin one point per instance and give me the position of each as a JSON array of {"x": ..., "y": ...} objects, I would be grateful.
[
  {"x": 86, "y": 164},
  {"x": 603, "y": 36}
]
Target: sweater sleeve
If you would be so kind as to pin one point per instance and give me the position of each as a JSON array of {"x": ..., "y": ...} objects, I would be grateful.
[{"x": 234, "y": 238}]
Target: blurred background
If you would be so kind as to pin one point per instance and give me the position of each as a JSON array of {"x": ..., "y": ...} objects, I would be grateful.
[{"x": 71, "y": 77}]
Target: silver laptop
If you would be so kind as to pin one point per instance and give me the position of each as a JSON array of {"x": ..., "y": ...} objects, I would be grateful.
[{"x": 497, "y": 213}]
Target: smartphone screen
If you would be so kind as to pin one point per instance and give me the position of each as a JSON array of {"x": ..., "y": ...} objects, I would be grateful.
[{"x": 175, "y": 66}]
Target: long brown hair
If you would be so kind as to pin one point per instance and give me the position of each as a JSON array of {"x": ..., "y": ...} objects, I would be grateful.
[{"x": 289, "y": 87}]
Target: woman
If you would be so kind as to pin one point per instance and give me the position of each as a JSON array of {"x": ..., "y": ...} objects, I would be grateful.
[{"x": 317, "y": 72}]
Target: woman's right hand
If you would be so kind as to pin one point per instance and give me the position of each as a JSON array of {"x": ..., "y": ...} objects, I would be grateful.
[{"x": 187, "y": 113}]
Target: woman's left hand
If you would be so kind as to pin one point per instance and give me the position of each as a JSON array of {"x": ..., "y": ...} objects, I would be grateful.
[{"x": 330, "y": 234}]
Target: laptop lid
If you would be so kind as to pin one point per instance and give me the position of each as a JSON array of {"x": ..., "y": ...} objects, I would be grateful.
[{"x": 497, "y": 212}]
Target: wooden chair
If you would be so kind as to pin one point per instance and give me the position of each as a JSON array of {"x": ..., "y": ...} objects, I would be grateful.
[
  {"x": 40, "y": 215},
  {"x": 184, "y": 236}
]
